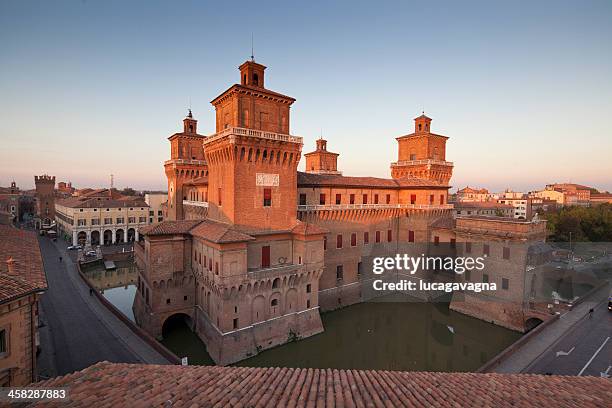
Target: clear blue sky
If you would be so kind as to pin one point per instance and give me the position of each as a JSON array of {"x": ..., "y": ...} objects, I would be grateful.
[{"x": 523, "y": 88}]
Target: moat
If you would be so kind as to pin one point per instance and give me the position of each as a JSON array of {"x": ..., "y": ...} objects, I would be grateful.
[{"x": 390, "y": 334}]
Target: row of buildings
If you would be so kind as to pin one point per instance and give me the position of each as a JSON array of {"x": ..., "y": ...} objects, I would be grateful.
[
  {"x": 479, "y": 201},
  {"x": 253, "y": 249}
]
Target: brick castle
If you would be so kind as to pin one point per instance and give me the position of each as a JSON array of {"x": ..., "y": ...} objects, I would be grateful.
[{"x": 253, "y": 250}]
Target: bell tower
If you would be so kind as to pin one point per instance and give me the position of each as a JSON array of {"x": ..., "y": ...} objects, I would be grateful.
[
  {"x": 187, "y": 162},
  {"x": 252, "y": 158},
  {"x": 422, "y": 154},
  {"x": 322, "y": 161}
]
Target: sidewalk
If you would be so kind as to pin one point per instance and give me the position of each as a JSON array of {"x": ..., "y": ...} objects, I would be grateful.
[{"x": 526, "y": 355}]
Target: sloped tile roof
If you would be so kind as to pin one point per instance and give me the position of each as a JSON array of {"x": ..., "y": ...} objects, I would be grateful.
[
  {"x": 219, "y": 232},
  {"x": 169, "y": 227},
  {"x": 27, "y": 273},
  {"x": 122, "y": 385},
  {"x": 306, "y": 228}
]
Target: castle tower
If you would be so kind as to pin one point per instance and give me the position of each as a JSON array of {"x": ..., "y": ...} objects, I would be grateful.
[
  {"x": 322, "y": 161},
  {"x": 45, "y": 198},
  {"x": 186, "y": 163},
  {"x": 252, "y": 159},
  {"x": 422, "y": 154}
]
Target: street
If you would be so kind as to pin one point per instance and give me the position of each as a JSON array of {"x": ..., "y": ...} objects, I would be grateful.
[
  {"x": 585, "y": 350},
  {"x": 76, "y": 329}
]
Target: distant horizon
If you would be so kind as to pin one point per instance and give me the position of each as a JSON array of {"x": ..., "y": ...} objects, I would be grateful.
[{"x": 524, "y": 97}]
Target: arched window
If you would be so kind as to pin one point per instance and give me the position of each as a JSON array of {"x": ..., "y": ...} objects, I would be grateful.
[
  {"x": 276, "y": 283},
  {"x": 255, "y": 80},
  {"x": 274, "y": 302},
  {"x": 419, "y": 127}
]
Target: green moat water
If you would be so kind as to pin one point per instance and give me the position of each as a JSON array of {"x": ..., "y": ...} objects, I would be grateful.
[{"x": 390, "y": 334}]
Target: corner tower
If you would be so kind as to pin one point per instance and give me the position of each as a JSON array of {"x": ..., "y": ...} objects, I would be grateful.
[
  {"x": 422, "y": 154},
  {"x": 252, "y": 159},
  {"x": 186, "y": 163}
]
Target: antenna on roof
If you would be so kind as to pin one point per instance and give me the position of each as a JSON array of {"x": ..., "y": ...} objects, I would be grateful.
[
  {"x": 112, "y": 181},
  {"x": 252, "y": 52}
]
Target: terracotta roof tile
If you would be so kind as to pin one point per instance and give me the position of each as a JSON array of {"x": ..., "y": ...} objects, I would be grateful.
[
  {"x": 111, "y": 385},
  {"x": 169, "y": 227},
  {"x": 20, "y": 250},
  {"x": 218, "y": 232}
]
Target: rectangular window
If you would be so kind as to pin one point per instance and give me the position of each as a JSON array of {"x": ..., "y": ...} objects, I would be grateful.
[
  {"x": 353, "y": 239},
  {"x": 302, "y": 199},
  {"x": 431, "y": 199},
  {"x": 366, "y": 237},
  {"x": 388, "y": 198},
  {"x": 375, "y": 198},
  {"x": 453, "y": 243},
  {"x": 219, "y": 195},
  {"x": 359, "y": 269},
  {"x": 120, "y": 220},
  {"x": 389, "y": 235},
  {"x": 82, "y": 223},
  {"x": 468, "y": 247},
  {"x": 410, "y": 236},
  {"x": 308, "y": 288},
  {"x": 322, "y": 199},
  {"x": 506, "y": 253},
  {"x": 365, "y": 198},
  {"x": 339, "y": 273},
  {"x": 216, "y": 268},
  {"x": 485, "y": 278},
  {"x": 160, "y": 213},
  {"x": 339, "y": 241},
  {"x": 485, "y": 249},
  {"x": 505, "y": 283},
  {"x": 338, "y": 199},
  {"x": 441, "y": 199},
  {"x": 325, "y": 243},
  {"x": 151, "y": 213},
  {"x": 267, "y": 197},
  {"x": 142, "y": 219},
  {"x": 352, "y": 198},
  {"x": 412, "y": 198},
  {"x": 3, "y": 342},
  {"x": 265, "y": 256},
  {"x": 235, "y": 323},
  {"x": 436, "y": 240},
  {"x": 377, "y": 236},
  {"x": 95, "y": 222},
  {"x": 108, "y": 221},
  {"x": 210, "y": 264},
  {"x": 131, "y": 220}
]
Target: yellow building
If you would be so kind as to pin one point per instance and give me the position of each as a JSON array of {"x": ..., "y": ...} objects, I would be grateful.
[{"x": 101, "y": 217}]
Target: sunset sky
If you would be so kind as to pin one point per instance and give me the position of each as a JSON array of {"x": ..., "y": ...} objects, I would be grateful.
[{"x": 523, "y": 89}]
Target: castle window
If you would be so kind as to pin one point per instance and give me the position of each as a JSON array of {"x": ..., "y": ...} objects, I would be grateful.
[
  {"x": 168, "y": 301},
  {"x": 485, "y": 249},
  {"x": 412, "y": 198},
  {"x": 389, "y": 235},
  {"x": 436, "y": 240},
  {"x": 420, "y": 127},
  {"x": 322, "y": 199},
  {"x": 431, "y": 199},
  {"x": 359, "y": 269},
  {"x": 441, "y": 199},
  {"x": 265, "y": 256},
  {"x": 302, "y": 199},
  {"x": 338, "y": 199},
  {"x": 339, "y": 273},
  {"x": 255, "y": 80},
  {"x": 412, "y": 156},
  {"x": 276, "y": 283},
  {"x": 377, "y": 236},
  {"x": 274, "y": 302},
  {"x": 219, "y": 194},
  {"x": 410, "y": 236},
  {"x": 216, "y": 268},
  {"x": 267, "y": 198},
  {"x": 375, "y": 198},
  {"x": 308, "y": 288},
  {"x": 235, "y": 323},
  {"x": 505, "y": 283},
  {"x": 365, "y": 198},
  {"x": 388, "y": 198},
  {"x": 308, "y": 304},
  {"x": 339, "y": 241},
  {"x": 366, "y": 237},
  {"x": 353, "y": 239},
  {"x": 3, "y": 342},
  {"x": 352, "y": 198},
  {"x": 453, "y": 243},
  {"x": 325, "y": 243},
  {"x": 485, "y": 278},
  {"x": 244, "y": 79}
]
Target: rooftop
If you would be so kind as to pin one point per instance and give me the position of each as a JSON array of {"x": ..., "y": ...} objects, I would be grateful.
[
  {"x": 333, "y": 180},
  {"x": 21, "y": 265},
  {"x": 110, "y": 385}
]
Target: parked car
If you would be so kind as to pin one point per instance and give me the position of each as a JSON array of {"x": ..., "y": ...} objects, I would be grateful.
[
  {"x": 73, "y": 247},
  {"x": 91, "y": 253}
]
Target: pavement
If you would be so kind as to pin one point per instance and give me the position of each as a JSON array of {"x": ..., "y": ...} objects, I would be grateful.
[
  {"x": 576, "y": 336},
  {"x": 76, "y": 330}
]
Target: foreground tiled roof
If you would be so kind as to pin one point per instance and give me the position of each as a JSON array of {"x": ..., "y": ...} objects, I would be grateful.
[
  {"x": 26, "y": 274},
  {"x": 100, "y": 202},
  {"x": 169, "y": 227},
  {"x": 333, "y": 180},
  {"x": 128, "y": 385},
  {"x": 481, "y": 204}
]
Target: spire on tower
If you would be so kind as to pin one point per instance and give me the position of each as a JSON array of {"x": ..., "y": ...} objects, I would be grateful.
[{"x": 252, "y": 48}]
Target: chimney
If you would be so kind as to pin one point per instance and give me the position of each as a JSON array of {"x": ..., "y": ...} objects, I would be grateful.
[{"x": 10, "y": 264}]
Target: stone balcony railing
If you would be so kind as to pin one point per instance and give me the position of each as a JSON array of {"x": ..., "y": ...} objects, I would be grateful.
[
  {"x": 253, "y": 133},
  {"x": 327, "y": 207},
  {"x": 418, "y": 162},
  {"x": 188, "y": 162},
  {"x": 196, "y": 203}
]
